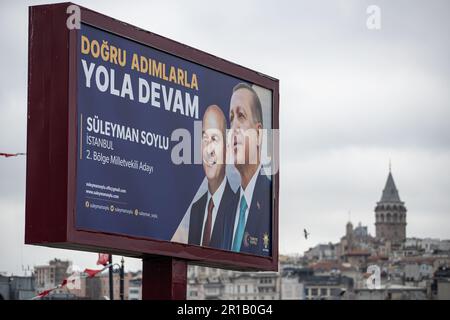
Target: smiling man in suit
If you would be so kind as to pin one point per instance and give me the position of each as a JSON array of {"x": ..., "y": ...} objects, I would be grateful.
[
  {"x": 252, "y": 230},
  {"x": 211, "y": 219}
]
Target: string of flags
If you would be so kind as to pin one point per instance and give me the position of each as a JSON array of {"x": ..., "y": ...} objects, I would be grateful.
[
  {"x": 7, "y": 155},
  {"x": 103, "y": 259}
]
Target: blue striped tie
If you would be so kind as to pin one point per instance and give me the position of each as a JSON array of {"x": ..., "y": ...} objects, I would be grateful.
[{"x": 240, "y": 227}]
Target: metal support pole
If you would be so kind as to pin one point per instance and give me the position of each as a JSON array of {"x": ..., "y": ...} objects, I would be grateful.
[
  {"x": 122, "y": 275},
  {"x": 111, "y": 279}
]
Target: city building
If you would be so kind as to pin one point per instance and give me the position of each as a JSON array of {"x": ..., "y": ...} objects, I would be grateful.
[
  {"x": 326, "y": 287},
  {"x": 51, "y": 275},
  {"x": 216, "y": 284},
  {"x": 390, "y": 292},
  {"x": 292, "y": 288},
  {"x": 135, "y": 287},
  {"x": 17, "y": 287},
  {"x": 440, "y": 287},
  {"x": 321, "y": 252},
  {"x": 356, "y": 244},
  {"x": 104, "y": 286},
  {"x": 323, "y": 281}
]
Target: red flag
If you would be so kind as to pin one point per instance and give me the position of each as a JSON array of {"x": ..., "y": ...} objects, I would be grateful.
[
  {"x": 91, "y": 273},
  {"x": 44, "y": 293},
  {"x": 103, "y": 259},
  {"x": 7, "y": 155}
]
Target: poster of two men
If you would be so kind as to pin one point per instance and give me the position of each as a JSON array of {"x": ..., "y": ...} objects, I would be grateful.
[
  {"x": 222, "y": 200},
  {"x": 232, "y": 209}
]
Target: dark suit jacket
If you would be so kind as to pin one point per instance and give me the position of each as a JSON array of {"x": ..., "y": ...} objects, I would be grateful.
[
  {"x": 222, "y": 232},
  {"x": 258, "y": 229}
]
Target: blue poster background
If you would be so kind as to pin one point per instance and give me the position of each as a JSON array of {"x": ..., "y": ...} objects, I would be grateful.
[{"x": 169, "y": 190}]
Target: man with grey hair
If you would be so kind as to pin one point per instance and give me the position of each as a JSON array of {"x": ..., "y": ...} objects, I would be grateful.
[{"x": 252, "y": 230}]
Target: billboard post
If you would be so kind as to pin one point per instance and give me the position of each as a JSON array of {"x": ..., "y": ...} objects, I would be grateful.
[
  {"x": 134, "y": 147},
  {"x": 164, "y": 278}
]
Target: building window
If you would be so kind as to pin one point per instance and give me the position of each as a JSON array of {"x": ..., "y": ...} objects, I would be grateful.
[
  {"x": 323, "y": 292},
  {"x": 314, "y": 292}
]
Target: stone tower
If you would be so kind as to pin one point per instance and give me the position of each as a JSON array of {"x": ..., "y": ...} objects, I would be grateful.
[{"x": 390, "y": 215}]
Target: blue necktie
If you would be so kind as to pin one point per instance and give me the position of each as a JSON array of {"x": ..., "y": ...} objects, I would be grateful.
[{"x": 240, "y": 227}]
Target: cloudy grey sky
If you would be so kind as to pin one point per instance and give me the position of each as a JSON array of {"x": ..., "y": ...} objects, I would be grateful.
[{"x": 351, "y": 99}]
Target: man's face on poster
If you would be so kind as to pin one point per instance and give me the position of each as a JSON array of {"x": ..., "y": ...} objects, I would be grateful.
[
  {"x": 213, "y": 143},
  {"x": 244, "y": 128}
]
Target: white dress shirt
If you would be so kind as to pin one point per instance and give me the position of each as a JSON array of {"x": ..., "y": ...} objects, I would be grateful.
[{"x": 217, "y": 197}]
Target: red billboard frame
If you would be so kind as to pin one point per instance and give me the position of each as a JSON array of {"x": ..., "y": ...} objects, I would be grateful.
[{"x": 52, "y": 142}]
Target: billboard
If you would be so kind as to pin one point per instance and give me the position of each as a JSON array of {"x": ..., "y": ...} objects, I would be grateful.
[{"x": 170, "y": 150}]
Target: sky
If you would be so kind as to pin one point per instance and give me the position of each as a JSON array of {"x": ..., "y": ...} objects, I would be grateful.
[{"x": 351, "y": 101}]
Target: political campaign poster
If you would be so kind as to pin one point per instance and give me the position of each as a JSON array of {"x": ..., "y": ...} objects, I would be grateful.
[{"x": 148, "y": 165}]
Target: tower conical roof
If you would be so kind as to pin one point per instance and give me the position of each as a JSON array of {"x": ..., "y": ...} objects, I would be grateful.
[{"x": 390, "y": 192}]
